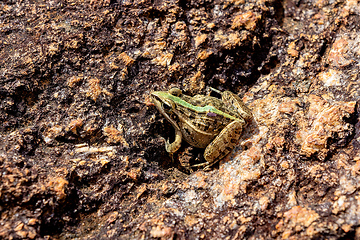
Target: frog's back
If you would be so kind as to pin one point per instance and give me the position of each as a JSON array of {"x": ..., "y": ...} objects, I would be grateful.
[
  {"x": 200, "y": 100},
  {"x": 200, "y": 128}
]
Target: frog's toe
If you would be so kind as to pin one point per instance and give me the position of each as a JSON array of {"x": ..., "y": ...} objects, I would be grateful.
[{"x": 206, "y": 165}]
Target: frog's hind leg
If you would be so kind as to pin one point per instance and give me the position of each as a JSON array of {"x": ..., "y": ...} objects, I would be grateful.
[
  {"x": 235, "y": 103},
  {"x": 224, "y": 142}
]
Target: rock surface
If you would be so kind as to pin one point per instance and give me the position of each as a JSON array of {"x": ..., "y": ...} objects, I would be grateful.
[{"x": 80, "y": 151}]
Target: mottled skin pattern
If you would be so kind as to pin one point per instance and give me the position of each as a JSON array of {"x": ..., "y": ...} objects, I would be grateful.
[{"x": 203, "y": 121}]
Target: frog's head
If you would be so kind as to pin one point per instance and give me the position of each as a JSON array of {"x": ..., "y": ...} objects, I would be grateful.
[{"x": 166, "y": 102}]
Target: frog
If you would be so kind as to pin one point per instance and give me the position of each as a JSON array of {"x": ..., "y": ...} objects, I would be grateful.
[{"x": 203, "y": 121}]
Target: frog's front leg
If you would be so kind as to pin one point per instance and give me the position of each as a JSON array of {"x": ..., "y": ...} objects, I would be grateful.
[
  {"x": 171, "y": 148},
  {"x": 224, "y": 142}
]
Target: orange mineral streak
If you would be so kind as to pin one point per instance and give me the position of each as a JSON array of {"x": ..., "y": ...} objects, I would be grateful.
[{"x": 323, "y": 121}]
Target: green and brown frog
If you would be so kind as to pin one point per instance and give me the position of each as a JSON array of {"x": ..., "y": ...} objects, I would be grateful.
[{"x": 203, "y": 121}]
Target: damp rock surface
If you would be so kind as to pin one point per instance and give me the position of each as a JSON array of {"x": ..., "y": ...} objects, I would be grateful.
[{"x": 81, "y": 153}]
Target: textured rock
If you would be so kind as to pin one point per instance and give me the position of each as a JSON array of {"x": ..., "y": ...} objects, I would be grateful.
[{"x": 80, "y": 151}]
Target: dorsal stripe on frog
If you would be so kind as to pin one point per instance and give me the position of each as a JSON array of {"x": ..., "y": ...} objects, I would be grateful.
[{"x": 205, "y": 109}]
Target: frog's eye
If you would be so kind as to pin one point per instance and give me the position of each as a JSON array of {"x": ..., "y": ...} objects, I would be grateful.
[
  {"x": 175, "y": 92},
  {"x": 167, "y": 107}
]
